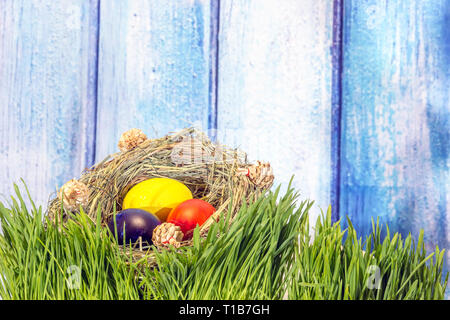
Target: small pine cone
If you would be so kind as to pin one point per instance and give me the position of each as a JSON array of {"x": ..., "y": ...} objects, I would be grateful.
[
  {"x": 260, "y": 174},
  {"x": 74, "y": 194},
  {"x": 167, "y": 233},
  {"x": 131, "y": 139}
]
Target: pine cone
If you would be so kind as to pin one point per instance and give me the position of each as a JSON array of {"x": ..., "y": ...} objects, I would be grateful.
[
  {"x": 260, "y": 174},
  {"x": 167, "y": 233},
  {"x": 74, "y": 194},
  {"x": 131, "y": 139}
]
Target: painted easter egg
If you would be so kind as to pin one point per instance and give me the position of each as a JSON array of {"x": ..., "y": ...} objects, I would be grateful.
[
  {"x": 137, "y": 222},
  {"x": 189, "y": 214},
  {"x": 158, "y": 196}
]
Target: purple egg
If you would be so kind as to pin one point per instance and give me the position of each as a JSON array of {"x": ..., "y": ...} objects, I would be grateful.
[{"x": 138, "y": 223}]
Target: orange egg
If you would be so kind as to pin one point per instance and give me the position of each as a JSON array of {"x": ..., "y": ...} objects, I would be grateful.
[{"x": 189, "y": 214}]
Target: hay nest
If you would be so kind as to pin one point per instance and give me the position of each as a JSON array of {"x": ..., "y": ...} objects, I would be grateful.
[{"x": 214, "y": 173}]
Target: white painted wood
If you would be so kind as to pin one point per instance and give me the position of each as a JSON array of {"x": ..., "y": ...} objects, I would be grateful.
[
  {"x": 274, "y": 98},
  {"x": 154, "y": 68},
  {"x": 47, "y": 97}
]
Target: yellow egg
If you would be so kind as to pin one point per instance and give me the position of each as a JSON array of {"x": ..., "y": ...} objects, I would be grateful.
[{"x": 158, "y": 196}]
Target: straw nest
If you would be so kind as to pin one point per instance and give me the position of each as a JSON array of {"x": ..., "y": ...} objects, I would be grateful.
[{"x": 217, "y": 174}]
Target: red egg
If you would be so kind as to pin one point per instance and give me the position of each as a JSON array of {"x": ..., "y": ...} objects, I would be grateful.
[{"x": 189, "y": 214}]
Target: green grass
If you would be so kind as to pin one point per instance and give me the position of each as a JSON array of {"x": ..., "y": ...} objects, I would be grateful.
[
  {"x": 266, "y": 253},
  {"x": 249, "y": 260},
  {"x": 42, "y": 263},
  {"x": 332, "y": 266}
]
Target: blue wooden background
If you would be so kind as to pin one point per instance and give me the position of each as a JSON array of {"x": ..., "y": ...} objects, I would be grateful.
[{"x": 351, "y": 96}]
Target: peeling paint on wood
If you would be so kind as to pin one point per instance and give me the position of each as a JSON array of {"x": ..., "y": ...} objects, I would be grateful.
[
  {"x": 274, "y": 89},
  {"x": 47, "y": 92},
  {"x": 154, "y": 68},
  {"x": 396, "y": 117}
]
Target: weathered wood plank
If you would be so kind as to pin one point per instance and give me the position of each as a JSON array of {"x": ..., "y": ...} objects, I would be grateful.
[
  {"x": 274, "y": 96},
  {"x": 396, "y": 116},
  {"x": 154, "y": 68},
  {"x": 47, "y": 92}
]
